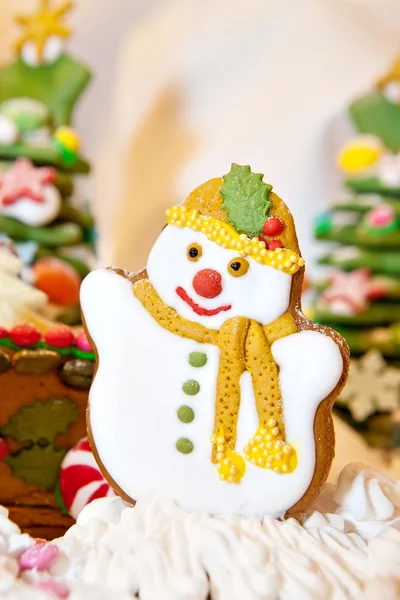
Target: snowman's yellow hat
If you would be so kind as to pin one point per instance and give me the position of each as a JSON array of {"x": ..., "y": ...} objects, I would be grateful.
[{"x": 240, "y": 212}]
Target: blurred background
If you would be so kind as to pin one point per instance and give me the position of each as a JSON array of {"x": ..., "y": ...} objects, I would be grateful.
[{"x": 184, "y": 87}]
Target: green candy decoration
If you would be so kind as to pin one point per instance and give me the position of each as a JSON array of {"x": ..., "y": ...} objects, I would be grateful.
[
  {"x": 185, "y": 414},
  {"x": 184, "y": 446},
  {"x": 191, "y": 387},
  {"x": 246, "y": 200},
  {"x": 197, "y": 359},
  {"x": 323, "y": 224},
  {"x": 68, "y": 157}
]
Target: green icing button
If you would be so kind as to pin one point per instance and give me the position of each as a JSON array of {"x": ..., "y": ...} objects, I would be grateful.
[
  {"x": 185, "y": 414},
  {"x": 191, "y": 387},
  {"x": 197, "y": 359},
  {"x": 184, "y": 446}
]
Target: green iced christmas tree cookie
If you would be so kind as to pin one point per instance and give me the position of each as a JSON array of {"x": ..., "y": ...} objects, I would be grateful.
[
  {"x": 39, "y": 154},
  {"x": 360, "y": 295}
]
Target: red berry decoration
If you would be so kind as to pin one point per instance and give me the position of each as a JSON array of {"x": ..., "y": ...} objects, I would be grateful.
[
  {"x": 60, "y": 337},
  {"x": 274, "y": 244},
  {"x": 273, "y": 227},
  {"x": 3, "y": 333},
  {"x": 3, "y": 448},
  {"x": 25, "y": 335}
]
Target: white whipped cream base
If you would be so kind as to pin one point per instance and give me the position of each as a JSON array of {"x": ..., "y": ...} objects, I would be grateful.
[{"x": 347, "y": 547}]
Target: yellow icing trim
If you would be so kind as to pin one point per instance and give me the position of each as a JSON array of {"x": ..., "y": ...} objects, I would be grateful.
[
  {"x": 268, "y": 450},
  {"x": 231, "y": 466},
  {"x": 225, "y": 236}
]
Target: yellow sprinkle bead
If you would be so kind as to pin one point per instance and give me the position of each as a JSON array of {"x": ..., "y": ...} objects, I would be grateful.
[
  {"x": 230, "y": 465},
  {"x": 225, "y": 235}
]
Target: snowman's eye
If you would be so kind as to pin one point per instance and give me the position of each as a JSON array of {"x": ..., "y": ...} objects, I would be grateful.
[
  {"x": 238, "y": 267},
  {"x": 194, "y": 252}
]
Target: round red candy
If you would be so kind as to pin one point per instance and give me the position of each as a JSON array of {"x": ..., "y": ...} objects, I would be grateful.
[
  {"x": 58, "y": 280},
  {"x": 3, "y": 333},
  {"x": 3, "y": 448},
  {"x": 273, "y": 227},
  {"x": 60, "y": 337},
  {"x": 207, "y": 283},
  {"x": 25, "y": 335},
  {"x": 274, "y": 244}
]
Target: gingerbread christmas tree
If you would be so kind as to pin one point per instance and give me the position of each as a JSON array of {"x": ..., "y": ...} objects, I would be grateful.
[
  {"x": 360, "y": 296},
  {"x": 39, "y": 156}
]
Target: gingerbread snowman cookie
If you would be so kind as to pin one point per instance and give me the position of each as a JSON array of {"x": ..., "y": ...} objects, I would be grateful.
[{"x": 212, "y": 388}]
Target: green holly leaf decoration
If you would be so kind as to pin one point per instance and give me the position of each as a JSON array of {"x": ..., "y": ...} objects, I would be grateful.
[
  {"x": 37, "y": 465},
  {"x": 246, "y": 200},
  {"x": 43, "y": 420}
]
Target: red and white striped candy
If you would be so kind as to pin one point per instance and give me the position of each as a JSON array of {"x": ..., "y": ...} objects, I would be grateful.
[{"x": 81, "y": 480}]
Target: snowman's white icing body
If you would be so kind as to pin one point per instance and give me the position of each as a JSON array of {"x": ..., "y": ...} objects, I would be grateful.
[{"x": 138, "y": 386}]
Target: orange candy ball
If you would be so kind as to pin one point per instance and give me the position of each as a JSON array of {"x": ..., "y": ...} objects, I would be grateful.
[{"x": 58, "y": 280}]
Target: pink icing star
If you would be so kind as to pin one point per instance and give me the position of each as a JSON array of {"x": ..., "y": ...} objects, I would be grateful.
[
  {"x": 350, "y": 293},
  {"x": 24, "y": 180}
]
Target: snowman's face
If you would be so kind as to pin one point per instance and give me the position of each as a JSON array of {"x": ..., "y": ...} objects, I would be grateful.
[{"x": 209, "y": 284}]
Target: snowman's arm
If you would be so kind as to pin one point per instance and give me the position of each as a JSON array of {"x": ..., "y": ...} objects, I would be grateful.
[
  {"x": 106, "y": 302},
  {"x": 310, "y": 366}
]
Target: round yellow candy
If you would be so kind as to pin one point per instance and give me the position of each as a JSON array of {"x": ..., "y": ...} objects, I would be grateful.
[
  {"x": 360, "y": 154},
  {"x": 68, "y": 138}
]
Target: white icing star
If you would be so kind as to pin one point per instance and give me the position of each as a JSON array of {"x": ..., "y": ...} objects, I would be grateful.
[{"x": 372, "y": 386}]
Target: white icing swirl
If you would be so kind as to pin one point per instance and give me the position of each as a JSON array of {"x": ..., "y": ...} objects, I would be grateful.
[
  {"x": 158, "y": 550},
  {"x": 367, "y": 495}
]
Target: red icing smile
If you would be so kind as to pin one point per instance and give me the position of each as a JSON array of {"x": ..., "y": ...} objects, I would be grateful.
[{"x": 199, "y": 310}]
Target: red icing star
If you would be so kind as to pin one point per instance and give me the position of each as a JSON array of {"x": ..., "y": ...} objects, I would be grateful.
[
  {"x": 24, "y": 180},
  {"x": 352, "y": 291}
]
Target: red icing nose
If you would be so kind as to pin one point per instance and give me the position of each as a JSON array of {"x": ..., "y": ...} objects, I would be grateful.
[{"x": 207, "y": 283}]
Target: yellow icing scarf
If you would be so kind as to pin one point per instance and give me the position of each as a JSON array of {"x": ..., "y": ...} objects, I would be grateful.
[{"x": 244, "y": 345}]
